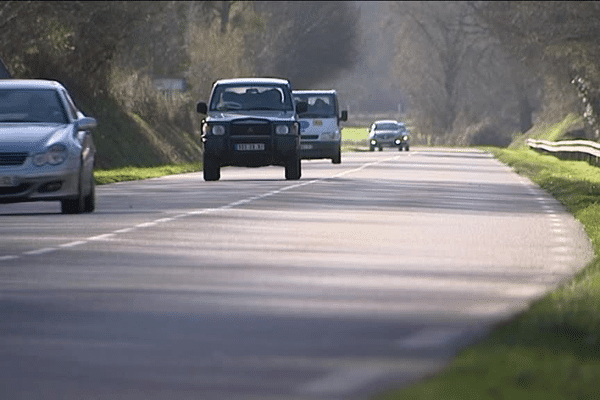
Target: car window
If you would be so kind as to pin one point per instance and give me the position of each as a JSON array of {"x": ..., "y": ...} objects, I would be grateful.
[
  {"x": 386, "y": 127},
  {"x": 250, "y": 97},
  {"x": 31, "y": 105},
  {"x": 322, "y": 106}
]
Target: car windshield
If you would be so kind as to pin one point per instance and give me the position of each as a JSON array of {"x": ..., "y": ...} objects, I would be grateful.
[
  {"x": 31, "y": 105},
  {"x": 250, "y": 97},
  {"x": 386, "y": 127},
  {"x": 319, "y": 106}
]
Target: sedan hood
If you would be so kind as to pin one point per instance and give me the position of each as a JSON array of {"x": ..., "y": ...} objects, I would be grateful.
[
  {"x": 251, "y": 114},
  {"x": 20, "y": 137}
]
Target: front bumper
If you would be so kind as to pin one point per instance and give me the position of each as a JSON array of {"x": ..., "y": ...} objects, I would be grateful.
[
  {"x": 315, "y": 149},
  {"x": 274, "y": 149},
  {"x": 375, "y": 142},
  {"x": 37, "y": 184}
]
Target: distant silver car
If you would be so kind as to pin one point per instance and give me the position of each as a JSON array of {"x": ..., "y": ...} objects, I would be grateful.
[
  {"x": 388, "y": 133},
  {"x": 46, "y": 150}
]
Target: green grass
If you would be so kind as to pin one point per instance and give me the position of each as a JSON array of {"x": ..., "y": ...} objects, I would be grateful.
[
  {"x": 137, "y": 173},
  {"x": 355, "y": 134},
  {"x": 552, "y": 132},
  {"x": 354, "y": 138},
  {"x": 552, "y": 350}
]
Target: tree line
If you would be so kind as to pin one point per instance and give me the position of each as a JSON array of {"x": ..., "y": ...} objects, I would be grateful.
[
  {"x": 479, "y": 72},
  {"x": 467, "y": 72},
  {"x": 113, "y": 51}
]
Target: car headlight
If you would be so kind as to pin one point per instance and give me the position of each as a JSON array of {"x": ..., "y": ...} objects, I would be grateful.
[
  {"x": 217, "y": 130},
  {"x": 55, "y": 155},
  {"x": 282, "y": 129},
  {"x": 397, "y": 141},
  {"x": 405, "y": 138},
  {"x": 373, "y": 141}
]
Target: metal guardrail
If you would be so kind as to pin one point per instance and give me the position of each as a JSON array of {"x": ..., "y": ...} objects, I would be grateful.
[{"x": 580, "y": 150}]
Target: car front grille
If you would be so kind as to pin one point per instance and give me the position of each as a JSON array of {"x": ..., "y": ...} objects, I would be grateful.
[
  {"x": 310, "y": 137},
  {"x": 253, "y": 129},
  {"x": 9, "y": 159}
]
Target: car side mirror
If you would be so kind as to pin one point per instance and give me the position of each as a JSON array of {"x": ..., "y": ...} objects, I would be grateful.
[
  {"x": 301, "y": 107},
  {"x": 201, "y": 108},
  {"x": 344, "y": 116},
  {"x": 85, "y": 123}
]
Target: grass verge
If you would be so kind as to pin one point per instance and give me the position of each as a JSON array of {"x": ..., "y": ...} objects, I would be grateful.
[
  {"x": 552, "y": 350},
  {"x": 137, "y": 173}
]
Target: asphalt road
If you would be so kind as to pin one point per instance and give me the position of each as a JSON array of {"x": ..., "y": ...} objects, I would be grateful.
[{"x": 359, "y": 276}]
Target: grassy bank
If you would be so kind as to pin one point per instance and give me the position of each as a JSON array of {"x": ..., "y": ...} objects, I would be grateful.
[
  {"x": 137, "y": 173},
  {"x": 551, "y": 351}
]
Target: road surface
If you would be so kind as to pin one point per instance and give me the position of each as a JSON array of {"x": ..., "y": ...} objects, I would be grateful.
[{"x": 360, "y": 275}]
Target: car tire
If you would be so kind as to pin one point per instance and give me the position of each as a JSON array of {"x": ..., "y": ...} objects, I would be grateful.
[
  {"x": 406, "y": 148},
  {"x": 399, "y": 148},
  {"x": 89, "y": 202},
  {"x": 293, "y": 168},
  {"x": 74, "y": 206},
  {"x": 337, "y": 158},
  {"x": 371, "y": 148},
  {"x": 211, "y": 169}
]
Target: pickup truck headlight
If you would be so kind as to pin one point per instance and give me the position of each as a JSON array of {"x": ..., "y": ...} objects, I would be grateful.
[
  {"x": 213, "y": 129},
  {"x": 282, "y": 129}
]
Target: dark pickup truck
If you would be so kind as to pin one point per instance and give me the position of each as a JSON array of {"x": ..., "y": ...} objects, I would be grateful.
[{"x": 251, "y": 122}]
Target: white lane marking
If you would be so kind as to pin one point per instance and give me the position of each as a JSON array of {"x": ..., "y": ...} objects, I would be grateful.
[
  {"x": 190, "y": 213},
  {"x": 125, "y": 230},
  {"x": 73, "y": 244},
  {"x": 103, "y": 237},
  {"x": 429, "y": 338},
  {"x": 343, "y": 380},
  {"x": 37, "y": 252}
]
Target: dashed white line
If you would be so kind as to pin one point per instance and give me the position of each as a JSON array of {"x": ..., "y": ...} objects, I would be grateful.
[
  {"x": 37, "y": 252},
  {"x": 73, "y": 244},
  {"x": 429, "y": 338},
  {"x": 103, "y": 237},
  {"x": 190, "y": 213}
]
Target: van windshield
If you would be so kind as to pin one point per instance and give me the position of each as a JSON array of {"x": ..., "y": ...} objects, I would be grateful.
[{"x": 319, "y": 106}]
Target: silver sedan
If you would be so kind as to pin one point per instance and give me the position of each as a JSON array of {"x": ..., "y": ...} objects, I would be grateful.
[{"x": 46, "y": 148}]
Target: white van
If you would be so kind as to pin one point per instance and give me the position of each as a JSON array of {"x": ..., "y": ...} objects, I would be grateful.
[{"x": 320, "y": 130}]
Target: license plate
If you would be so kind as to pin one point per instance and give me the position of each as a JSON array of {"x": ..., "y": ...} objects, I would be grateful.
[
  {"x": 318, "y": 122},
  {"x": 250, "y": 146},
  {"x": 6, "y": 181},
  {"x": 306, "y": 146}
]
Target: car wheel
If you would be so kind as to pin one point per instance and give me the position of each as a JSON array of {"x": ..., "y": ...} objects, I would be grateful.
[
  {"x": 399, "y": 148},
  {"x": 89, "y": 202},
  {"x": 293, "y": 168},
  {"x": 337, "y": 158},
  {"x": 406, "y": 148},
  {"x": 371, "y": 148},
  {"x": 211, "y": 169},
  {"x": 74, "y": 206},
  {"x": 381, "y": 149}
]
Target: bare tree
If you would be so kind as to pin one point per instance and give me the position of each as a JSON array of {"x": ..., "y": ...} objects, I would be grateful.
[
  {"x": 559, "y": 41},
  {"x": 462, "y": 87}
]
